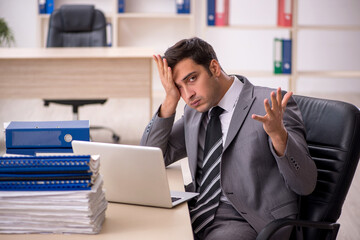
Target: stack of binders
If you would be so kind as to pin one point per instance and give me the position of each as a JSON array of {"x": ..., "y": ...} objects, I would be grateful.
[{"x": 51, "y": 194}]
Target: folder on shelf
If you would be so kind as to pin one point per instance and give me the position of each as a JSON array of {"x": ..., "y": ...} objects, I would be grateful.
[
  {"x": 286, "y": 55},
  {"x": 109, "y": 34},
  {"x": 28, "y": 137},
  {"x": 49, "y": 6},
  {"x": 278, "y": 55},
  {"x": 211, "y": 12},
  {"x": 285, "y": 13},
  {"x": 183, "y": 6},
  {"x": 222, "y": 12},
  {"x": 187, "y": 4},
  {"x": 121, "y": 6},
  {"x": 42, "y": 6}
]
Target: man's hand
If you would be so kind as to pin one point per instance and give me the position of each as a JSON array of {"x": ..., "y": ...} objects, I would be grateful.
[
  {"x": 273, "y": 120},
  {"x": 172, "y": 97}
]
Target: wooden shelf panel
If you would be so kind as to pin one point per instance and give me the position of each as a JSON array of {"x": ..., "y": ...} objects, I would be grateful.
[
  {"x": 154, "y": 15},
  {"x": 257, "y": 73},
  {"x": 330, "y": 74},
  {"x": 253, "y": 27},
  {"x": 47, "y": 16},
  {"x": 328, "y": 28},
  {"x": 300, "y": 27}
]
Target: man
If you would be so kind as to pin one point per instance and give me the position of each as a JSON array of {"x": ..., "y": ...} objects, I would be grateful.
[{"x": 258, "y": 164}]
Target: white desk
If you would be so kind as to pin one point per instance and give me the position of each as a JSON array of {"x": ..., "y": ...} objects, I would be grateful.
[
  {"x": 73, "y": 73},
  {"x": 135, "y": 222}
]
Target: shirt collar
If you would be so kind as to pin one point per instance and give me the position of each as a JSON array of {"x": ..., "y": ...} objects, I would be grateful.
[{"x": 231, "y": 97}]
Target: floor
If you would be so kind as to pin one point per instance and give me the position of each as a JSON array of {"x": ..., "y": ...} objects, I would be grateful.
[{"x": 350, "y": 217}]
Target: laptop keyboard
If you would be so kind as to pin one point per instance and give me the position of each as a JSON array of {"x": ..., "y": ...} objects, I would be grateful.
[{"x": 173, "y": 199}]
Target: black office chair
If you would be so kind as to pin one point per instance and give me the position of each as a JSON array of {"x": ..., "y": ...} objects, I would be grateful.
[
  {"x": 333, "y": 137},
  {"x": 78, "y": 26}
]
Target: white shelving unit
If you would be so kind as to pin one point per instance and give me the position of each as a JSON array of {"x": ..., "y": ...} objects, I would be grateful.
[
  {"x": 141, "y": 25},
  {"x": 293, "y": 33}
]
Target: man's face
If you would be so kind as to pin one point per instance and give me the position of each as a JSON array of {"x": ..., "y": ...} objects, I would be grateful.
[{"x": 199, "y": 90}]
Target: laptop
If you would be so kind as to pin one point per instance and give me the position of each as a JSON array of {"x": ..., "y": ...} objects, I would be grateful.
[{"x": 133, "y": 174}]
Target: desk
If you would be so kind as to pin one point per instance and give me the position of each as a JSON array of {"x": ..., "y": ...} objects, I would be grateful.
[
  {"x": 73, "y": 73},
  {"x": 134, "y": 222}
]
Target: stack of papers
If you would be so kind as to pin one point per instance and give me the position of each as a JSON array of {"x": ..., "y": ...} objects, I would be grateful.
[
  {"x": 75, "y": 211},
  {"x": 51, "y": 194}
]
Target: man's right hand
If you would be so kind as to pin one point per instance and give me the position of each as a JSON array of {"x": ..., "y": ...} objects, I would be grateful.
[{"x": 172, "y": 97}]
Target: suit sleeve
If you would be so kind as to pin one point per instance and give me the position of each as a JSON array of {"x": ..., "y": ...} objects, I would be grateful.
[
  {"x": 296, "y": 165},
  {"x": 167, "y": 135}
]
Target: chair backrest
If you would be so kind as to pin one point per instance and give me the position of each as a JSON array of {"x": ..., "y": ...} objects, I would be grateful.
[
  {"x": 333, "y": 137},
  {"x": 77, "y": 26}
]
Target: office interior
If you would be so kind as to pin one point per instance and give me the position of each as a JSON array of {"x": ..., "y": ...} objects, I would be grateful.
[{"x": 327, "y": 61}]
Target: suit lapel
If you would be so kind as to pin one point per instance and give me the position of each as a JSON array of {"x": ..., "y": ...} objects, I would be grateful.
[{"x": 241, "y": 110}]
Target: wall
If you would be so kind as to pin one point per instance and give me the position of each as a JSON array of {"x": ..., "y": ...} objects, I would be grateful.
[{"x": 21, "y": 16}]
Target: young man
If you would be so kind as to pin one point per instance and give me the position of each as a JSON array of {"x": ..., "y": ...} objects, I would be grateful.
[{"x": 248, "y": 159}]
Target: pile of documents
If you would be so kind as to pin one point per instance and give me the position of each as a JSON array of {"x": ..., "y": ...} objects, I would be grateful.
[{"x": 51, "y": 194}]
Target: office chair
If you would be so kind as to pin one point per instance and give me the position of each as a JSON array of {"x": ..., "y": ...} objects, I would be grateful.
[
  {"x": 78, "y": 26},
  {"x": 333, "y": 137}
]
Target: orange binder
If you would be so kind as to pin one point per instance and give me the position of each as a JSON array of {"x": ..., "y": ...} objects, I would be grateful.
[{"x": 285, "y": 9}]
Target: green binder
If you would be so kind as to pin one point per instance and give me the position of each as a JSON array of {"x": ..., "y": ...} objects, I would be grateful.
[{"x": 278, "y": 55}]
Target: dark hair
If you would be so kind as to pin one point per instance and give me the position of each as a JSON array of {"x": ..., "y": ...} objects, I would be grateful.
[{"x": 195, "y": 48}]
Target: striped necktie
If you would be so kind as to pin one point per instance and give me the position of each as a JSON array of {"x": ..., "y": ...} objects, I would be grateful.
[{"x": 204, "y": 210}]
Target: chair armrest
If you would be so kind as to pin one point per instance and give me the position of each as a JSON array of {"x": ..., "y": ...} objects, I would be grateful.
[{"x": 273, "y": 226}]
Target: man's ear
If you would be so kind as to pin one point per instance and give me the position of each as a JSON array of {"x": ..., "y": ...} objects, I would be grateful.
[{"x": 215, "y": 68}]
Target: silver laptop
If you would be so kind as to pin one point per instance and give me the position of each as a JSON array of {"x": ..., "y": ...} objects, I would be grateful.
[{"x": 133, "y": 174}]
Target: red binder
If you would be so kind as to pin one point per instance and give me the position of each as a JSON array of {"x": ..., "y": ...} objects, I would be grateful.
[
  {"x": 222, "y": 13},
  {"x": 285, "y": 9}
]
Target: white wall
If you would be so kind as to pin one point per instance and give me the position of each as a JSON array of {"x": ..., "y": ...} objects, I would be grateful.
[{"x": 21, "y": 16}]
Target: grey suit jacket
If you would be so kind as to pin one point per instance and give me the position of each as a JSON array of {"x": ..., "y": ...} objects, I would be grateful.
[{"x": 260, "y": 185}]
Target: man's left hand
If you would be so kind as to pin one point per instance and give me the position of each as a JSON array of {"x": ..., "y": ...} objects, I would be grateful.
[{"x": 273, "y": 120}]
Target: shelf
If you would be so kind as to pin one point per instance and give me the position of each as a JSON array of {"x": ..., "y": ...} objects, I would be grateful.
[
  {"x": 257, "y": 73},
  {"x": 46, "y": 17},
  {"x": 154, "y": 15},
  {"x": 330, "y": 74},
  {"x": 329, "y": 28},
  {"x": 253, "y": 27}
]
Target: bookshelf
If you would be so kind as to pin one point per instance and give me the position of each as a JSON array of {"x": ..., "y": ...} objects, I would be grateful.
[
  {"x": 269, "y": 27},
  {"x": 142, "y": 22}
]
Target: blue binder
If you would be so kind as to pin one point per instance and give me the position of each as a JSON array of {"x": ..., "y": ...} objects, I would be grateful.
[
  {"x": 183, "y": 6},
  {"x": 49, "y": 136},
  {"x": 211, "y": 12},
  {"x": 121, "y": 6},
  {"x": 286, "y": 56},
  {"x": 49, "y": 6},
  {"x": 45, "y": 185},
  {"x": 50, "y": 173},
  {"x": 41, "y": 164},
  {"x": 42, "y": 6}
]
